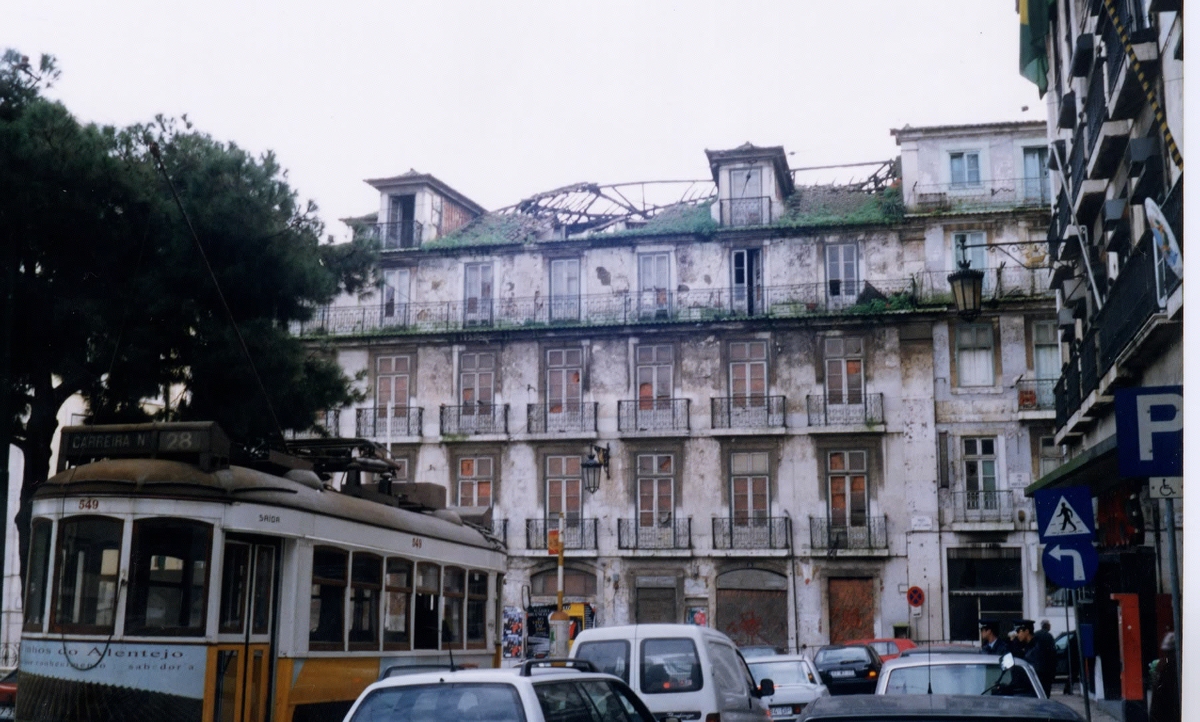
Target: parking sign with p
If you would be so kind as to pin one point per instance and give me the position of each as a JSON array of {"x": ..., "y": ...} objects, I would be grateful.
[{"x": 1149, "y": 431}]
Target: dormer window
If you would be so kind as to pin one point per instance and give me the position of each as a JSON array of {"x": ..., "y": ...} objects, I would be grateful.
[
  {"x": 401, "y": 229},
  {"x": 746, "y": 197},
  {"x": 964, "y": 169}
]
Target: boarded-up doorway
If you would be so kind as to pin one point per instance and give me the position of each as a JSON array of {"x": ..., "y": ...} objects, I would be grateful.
[
  {"x": 851, "y": 609},
  {"x": 752, "y": 607},
  {"x": 655, "y": 606}
]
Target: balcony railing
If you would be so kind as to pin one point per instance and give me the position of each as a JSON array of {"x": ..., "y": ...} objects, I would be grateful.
[
  {"x": 837, "y": 411},
  {"x": 1067, "y": 399},
  {"x": 562, "y": 416},
  {"x": 1035, "y": 394},
  {"x": 749, "y": 412},
  {"x": 474, "y": 419},
  {"x": 1089, "y": 377},
  {"x": 397, "y": 235},
  {"x": 328, "y": 424},
  {"x": 754, "y": 211},
  {"x": 672, "y": 533},
  {"x": 982, "y": 506},
  {"x": 654, "y": 415},
  {"x": 1096, "y": 110},
  {"x": 769, "y": 532},
  {"x": 575, "y": 533},
  {"x": 996, "y": 194},
  {"x": 832, "y": 534},
  {"x": 388, "y": 421},
  {"x": 1132, "y": 300},
  {"x": 1113, "y": 48},
  {"x": 1077, "y": 166}
]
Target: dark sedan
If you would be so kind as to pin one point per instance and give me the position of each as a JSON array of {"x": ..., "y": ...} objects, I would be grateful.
[{"x": 848, "y": 669}]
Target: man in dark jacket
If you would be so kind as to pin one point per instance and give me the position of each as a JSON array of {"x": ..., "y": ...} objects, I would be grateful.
[
  {"x": 989, "y": 636},
  {"x": 1039, "y": 650}
]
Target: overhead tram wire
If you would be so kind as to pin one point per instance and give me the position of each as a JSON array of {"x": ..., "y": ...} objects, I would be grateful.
[{"x": 154, "y": 151}]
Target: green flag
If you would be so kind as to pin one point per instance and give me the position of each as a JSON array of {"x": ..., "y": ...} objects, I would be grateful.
[{"x": 1035, "y": 24}]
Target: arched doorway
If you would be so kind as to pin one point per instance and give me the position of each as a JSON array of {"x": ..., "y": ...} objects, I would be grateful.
[
  {"x": 752, "y": 607},
  {"x": 579, "y": 590}
]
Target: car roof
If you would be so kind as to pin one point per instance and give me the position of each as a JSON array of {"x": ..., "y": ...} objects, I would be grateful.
[
  {"x": 918, "y": 660},
  {"x": 940, "y": 649},
  {"x": 777, "y": 658},
  {"x": 933, "y": 706},
  {"x": 650, "y": 631},
  {"x": 506, "y": 675}
]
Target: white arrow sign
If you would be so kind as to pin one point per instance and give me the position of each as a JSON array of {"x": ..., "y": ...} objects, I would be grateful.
[{"x": 1076, "y": 560}]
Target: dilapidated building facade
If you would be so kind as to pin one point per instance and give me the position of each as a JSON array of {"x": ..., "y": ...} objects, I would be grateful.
[{"x": 797, "y": 423}]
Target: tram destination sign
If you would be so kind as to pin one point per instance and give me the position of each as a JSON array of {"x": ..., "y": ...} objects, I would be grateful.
[{"x": 202, "y": 442}]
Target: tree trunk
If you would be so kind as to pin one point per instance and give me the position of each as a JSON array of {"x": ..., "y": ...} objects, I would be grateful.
[{"x": 39, "y": 433}]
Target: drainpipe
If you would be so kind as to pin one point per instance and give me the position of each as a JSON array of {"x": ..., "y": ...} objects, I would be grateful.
[{"x": 795, "y": 589}]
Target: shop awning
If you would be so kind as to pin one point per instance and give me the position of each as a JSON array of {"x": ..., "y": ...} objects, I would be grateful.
[{"x": 1095, "y": 467}]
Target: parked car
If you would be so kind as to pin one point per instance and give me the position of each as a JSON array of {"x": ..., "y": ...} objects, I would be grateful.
[
  {"x": 848, "y": 668},
  {"x": 888, "y": 648},
  {"x": 935, "y": 707},
  {"x": 498, "y": 695},
  {"x": 796, "y": 683},
  {"x": 974, "y": 674},
  {"x": 760, "y": 650},
  {"x": 682, "y": 669},
  {"x": 940, "y": 649}
]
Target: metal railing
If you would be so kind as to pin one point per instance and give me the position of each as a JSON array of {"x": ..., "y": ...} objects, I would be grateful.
[
  {"x": 996, "y": 194},
  {"x": 575, "y": 534},
  {"x": 866, "y": 410},
  {"x": 1096, "y": 110},
  {"x": 654, "y": 415},
  {"x": 388, "y": 421},
  {"x": 672, "y": 533},
  {"x": 1089, "y": 373},
  {"x": 328, "y": 424},
  {"x": 1077, "y": 165},
  {"x": 768, "y": 532},
  {"x": 1114, "y": 50},
  {"x": 474, "y": 419},
  {"x": 749, "y": 412},
  {"x": 982, "y": 506},
  {"x": 1035, "y": 394},
  {"x": 1131, "y": 301},
  {"x": 563, "y": 416},
  {"x": 865, "y": 533},
  {"x": 396, "y": 235},
  {"x": 754, "y": 211},
  {"x": 1010, "y": 281}
]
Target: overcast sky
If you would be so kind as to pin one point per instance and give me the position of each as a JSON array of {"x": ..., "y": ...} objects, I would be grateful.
[{"x": 502, "y": 100}]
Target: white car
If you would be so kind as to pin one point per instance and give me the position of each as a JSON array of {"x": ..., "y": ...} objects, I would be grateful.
[
  {"x": 796, "y": 682},
  {"x": 977, "y": 674},
  {"x": 535, "y": 693}
]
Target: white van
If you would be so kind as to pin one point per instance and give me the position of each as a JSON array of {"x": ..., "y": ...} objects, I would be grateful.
[{"x": 679, "y": 670}]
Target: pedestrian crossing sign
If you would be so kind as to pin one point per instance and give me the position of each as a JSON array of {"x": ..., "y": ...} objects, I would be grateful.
[{"x": 1064, "y": 513}]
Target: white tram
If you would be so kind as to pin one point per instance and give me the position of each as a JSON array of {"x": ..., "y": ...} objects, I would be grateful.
[{"x": 165, "y": 583}]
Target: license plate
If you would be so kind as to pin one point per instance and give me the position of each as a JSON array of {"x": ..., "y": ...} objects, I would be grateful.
[
  {"x": 7, "y": 713},
  {"x": 841, "y": 673},
  {"x": 782, "y": 710}
]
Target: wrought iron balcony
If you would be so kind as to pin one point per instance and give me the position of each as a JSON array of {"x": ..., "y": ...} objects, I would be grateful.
[
  {"x": 1035, "y": 394},
  {"x": 1095, "y": 109},
  {"x": 575, "y": 534},
  {"x": 835, "y": 534},
  {"x": 997, "y": 194},
  {"x": 1132, "y": 300},
  {"x": 744, "y": 532},
  {"x": 1089, "y": 373},
  {"x": 749, "y": 412},
  {"x": 981, "y": 507},
  {"x": 474, "y": 419},
  {"x": 671, "y": 533},
  {"x": 328, "y": 424},
  {"x": 845, "y": 410},
  {"x": 562, "y": 416},
  {"x": 395, "y": 236},
  {"x": 376, "y": 422},
  {"x": 754, "y": 211},
  {"x": 654, "y": 415}
]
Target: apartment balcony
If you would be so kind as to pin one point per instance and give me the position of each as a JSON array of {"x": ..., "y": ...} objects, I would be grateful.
[
  {"x": 328, "y": 424},
  {"x": 1125, "y": 94},
  {"x": 671, "y": 533},
  {"x": 1035, "y": 395},
  {"x": 864, "y": 535},
  {"x": 395, "y": 236},
  {"x": 1089, "y": 370},
  {"x": 742, "y": 532},
  {"x": 654, "y": 416},
  {"x": 1106, "y": 137},
  {"x": 1086, "y": 195},
  {"x": 474, "y": 419},
  {"x": 578, "y": 534},
  {"x": 749, "y": 412},
  {"x": 388, "y": 422},
  {"x": 568, "y": 417},
  {"x": 1067, "y": 112},
  {"x": 981, "y": 511},
  {"x": 1002, "y": 194},
  {"x": 865, "y": 410},
  {"x": 754, "y": 211},
  {"x": 1135, "y": 297}
]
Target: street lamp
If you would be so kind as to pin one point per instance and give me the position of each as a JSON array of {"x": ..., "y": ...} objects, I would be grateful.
[
  {"x": 967, "y": 286},
  {"x": 591, "y": 468}
]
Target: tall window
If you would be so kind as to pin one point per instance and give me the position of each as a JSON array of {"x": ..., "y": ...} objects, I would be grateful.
[
  {"x": 168, "y": 577},
  {"x": 327, "y": 607},
  {"x": 656, "y": 489},
  {"x": 564, "y": 380},
  {"x": 400, "y": 229},
  {"x": 655, "y": 369},
  {"x": 397, "y": 620},
  {"x": 964, "y": 169},
  {"x": 848, "y": 500},
  {"x": 475, "y": 479},
  {"x": 1050, "y": 455},
  {"x": 564, "y": 489},
  {"x": 750, "y": 486},
  {"x": 39, "y": 566},
  {"x": 1047, "y": 361},
  {"x": 426, "y": 633},
  {"x": 90, "y": 550},
  {"x": 844, "y": 370},
  {"x": 391, "y": 387},
  {"x": 654, "y": 284},
  {"x": 1037, "y": 176},
  {"x": 979, "y": 471},
  {"x": 394, "y": 295},
  {"x": 748, "y": 371},
  {"x": 477, "y": 589},
  {"x": 746, "y": 197},
  {"x": 973, "y": 348},
  {"x": 476, "y": 380},
  {"x": 564, "y": 289},
  {"x": 477, "y": 294},
  {"x": 747, "y": 281},
  {"x": 366, "y": 572},
  {"x": 841, "y": 273}
]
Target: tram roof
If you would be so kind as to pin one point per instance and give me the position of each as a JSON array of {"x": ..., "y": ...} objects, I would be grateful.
[{"x": 162, "y": 478}]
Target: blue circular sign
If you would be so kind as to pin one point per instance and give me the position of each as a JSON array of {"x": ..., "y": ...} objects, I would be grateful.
[{"x": 1070, "y": 563}]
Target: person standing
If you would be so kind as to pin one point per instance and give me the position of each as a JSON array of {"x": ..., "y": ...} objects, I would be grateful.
[
  {"x": 1038, "y": 650},
  {"x": 989, "y": 636}
]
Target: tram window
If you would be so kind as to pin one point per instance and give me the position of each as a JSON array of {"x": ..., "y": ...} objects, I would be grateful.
[
  {"x": 477, "y": 609},
  {"x": 87, "y": 577},
  {"x": 264, "y": 574},
  {"x": 452, "y": 615},
  {"x": 39, "y": 562},
  {"x": 425, "y": 611},
  {"x": 168, "y": 577},
  {"x": 326, "y": 620},
  {"x": 399, "y": 584},
  {"x": 233, "y": 588},
  {"x": 365, "y": 584}
]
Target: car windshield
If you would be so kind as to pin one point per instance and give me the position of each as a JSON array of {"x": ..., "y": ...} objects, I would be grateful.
[
  {"x": 779, "y": 672},
  {"x": 842, "y": 655},
  {"x": 484, "y": 702},
  {"x": 956, "y": 679}
]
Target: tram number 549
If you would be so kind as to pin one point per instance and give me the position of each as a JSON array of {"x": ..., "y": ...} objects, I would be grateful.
[{"x": 89, "y": 504}]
